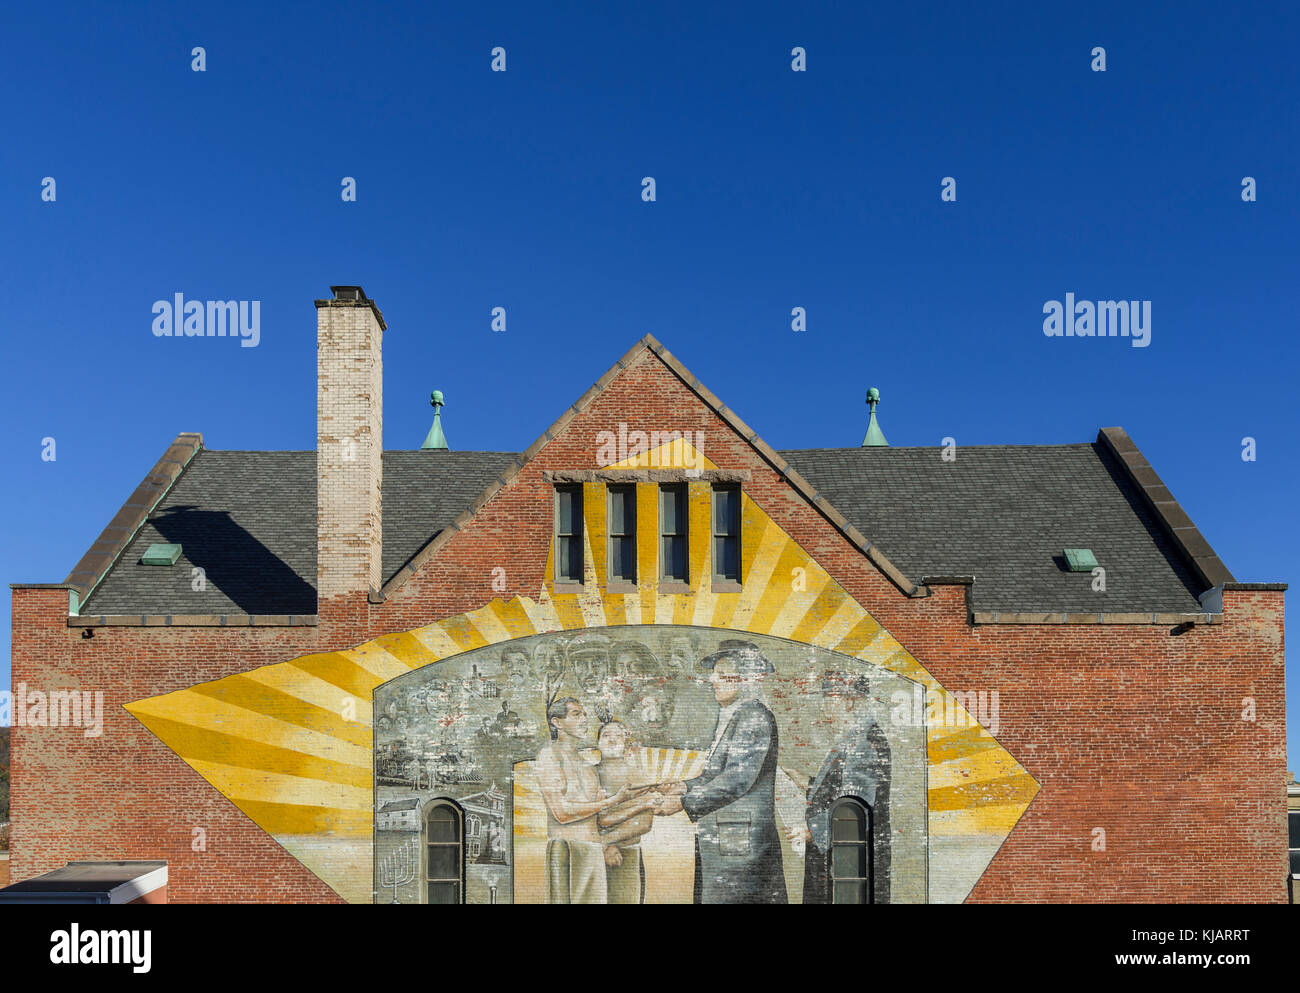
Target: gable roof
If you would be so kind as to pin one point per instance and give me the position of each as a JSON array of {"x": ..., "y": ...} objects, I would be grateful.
[
  {"x": 249, "y": 518},
  {"x": 649, "y": 345},
  {"x": 999, "y": 514},
  {"x": 1004, "y": 514}
]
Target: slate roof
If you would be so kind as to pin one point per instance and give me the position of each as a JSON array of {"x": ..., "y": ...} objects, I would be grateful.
[
  {"x": 249, "y": 518},
  {"x": 1002, "y": 514}
]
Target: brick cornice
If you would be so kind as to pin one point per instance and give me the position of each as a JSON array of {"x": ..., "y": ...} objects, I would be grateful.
[
  {"x": 193, "y": 620},
  {"x": 646, "y": 475},
  {"x": 984, "y": 617}
]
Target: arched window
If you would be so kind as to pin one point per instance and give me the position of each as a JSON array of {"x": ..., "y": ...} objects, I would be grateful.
[
  {"x": 444, "y": 862},
  {"x": 850, "y": 861}
]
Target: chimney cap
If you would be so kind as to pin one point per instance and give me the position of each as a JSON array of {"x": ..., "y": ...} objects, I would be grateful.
[{"x": 352, "y": 296}]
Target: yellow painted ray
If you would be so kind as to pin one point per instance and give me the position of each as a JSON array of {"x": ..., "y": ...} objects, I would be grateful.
[
  {"x": 290, "y": 743},
  {"x": 295, "y": 684},
  {"x": 1003, "y": 790},
  {"x": 207, "y": 714},
  {"x": 343, "y": 672},
  {"x": 375, "y": 659},
  {"x": 677, "y": 453},
  {"x": 513, "y": 617},
  {"x": 989, "y": 820},
  {"x": 266, "y": 785},
  {"x": 488, "y": 624},
  {"x": 436, "y": 641},
  {"x": 978, "y": 766}
]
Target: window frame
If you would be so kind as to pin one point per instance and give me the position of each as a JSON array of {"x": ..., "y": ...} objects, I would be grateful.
[
  {"x": 1293, "y": 854},
  {"x": 629, "y": 534},
  {"x": 868, "y": 882},
  {"x": 683, "y": 534},
  {"x": 458, "y": 818},
  {"x": 576, "y": 535},
  {"x": 734, "y": 489}
]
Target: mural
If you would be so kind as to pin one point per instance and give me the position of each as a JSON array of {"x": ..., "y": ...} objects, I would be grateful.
[
  {"x": 316, "y": 749},
  {"x": 647, "y": 764}
]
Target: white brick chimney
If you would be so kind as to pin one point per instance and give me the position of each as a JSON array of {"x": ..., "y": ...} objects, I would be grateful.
[{"x": 349, "y": 443}]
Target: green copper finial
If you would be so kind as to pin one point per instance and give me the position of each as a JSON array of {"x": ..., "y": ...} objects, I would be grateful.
[
  {"x": 875, "y": 438},
  {"x": 435, "y": 438}
]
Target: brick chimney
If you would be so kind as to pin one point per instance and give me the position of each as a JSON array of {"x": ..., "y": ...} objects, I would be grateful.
[{"x": 349, "y": 444}]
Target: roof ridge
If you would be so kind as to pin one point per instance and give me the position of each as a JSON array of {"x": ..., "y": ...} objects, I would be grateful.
[
  {"x": 635, "y": 355},
  {"x": 386, "y": 451},
  {"x": 931, "y": 448},
  {"x": 631, "y": 357}
]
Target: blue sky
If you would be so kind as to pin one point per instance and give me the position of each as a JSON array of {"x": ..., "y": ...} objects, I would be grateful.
[{"x": 522, "y": 189}]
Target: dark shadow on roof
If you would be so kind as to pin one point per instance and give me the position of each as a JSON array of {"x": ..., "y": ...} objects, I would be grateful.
[{"x": 250, "y": 575}]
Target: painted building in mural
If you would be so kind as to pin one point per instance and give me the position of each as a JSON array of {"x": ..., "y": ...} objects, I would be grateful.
[{"x": 651, "y": 660}]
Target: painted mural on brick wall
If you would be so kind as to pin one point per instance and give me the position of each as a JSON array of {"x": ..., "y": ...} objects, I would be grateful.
[
  {"x": 648, "y": 764},
  {"x": 375, "y": 765}
]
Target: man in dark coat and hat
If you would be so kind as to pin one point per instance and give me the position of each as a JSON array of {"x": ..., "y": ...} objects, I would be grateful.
[
  {"x": 857, "y": 766},
  {"x": 732, "y": 801}
]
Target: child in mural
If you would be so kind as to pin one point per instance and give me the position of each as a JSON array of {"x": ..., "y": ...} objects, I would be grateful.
[
  {"x": 623, "y": 826},
  {"x": 576, "y": 851},
  {"x": 856, "y": 765}
]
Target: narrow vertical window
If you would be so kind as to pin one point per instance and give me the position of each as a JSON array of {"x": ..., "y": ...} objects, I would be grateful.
[
  {"x": 622, "y": 533},
  {"x": 672, "y": 533},
  {"x": 568, "y": 533},
  {"x": 1293, "y": 826},
  {"x": 444, "y": 855},
  {"x": 850, "y": 862},
  {"x": 726, "y": 533}
]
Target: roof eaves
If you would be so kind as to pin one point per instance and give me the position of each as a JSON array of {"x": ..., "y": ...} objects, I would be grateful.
[
  {"x": 1185, "y": 535},
  {"x": 114, "y": 539}
]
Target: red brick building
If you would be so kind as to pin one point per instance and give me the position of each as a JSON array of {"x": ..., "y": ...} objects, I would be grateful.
[{"x": 1086, "y": 736}]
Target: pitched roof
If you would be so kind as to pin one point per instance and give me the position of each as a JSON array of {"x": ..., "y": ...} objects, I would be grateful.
[
  {"x": 249, "y": 518},
  {"x": 1002, "y": 514}
]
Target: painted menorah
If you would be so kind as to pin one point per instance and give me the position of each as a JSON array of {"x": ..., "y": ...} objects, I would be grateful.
[{"x": 398, "y": 868}]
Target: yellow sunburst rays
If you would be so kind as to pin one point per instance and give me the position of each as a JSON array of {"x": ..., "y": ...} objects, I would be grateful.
[
  {"x": 654, "y": 765},
  {"x": 290, "y": 744}
]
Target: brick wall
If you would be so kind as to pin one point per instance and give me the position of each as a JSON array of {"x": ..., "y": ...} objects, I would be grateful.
[
  {"x": 124, "y": 795},
  {"x": 1132, "y": 729}
]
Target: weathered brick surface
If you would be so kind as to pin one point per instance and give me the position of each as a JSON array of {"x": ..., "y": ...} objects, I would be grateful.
[
  {"x": 124, "y": 795},
  {"x": 1132, "y": 729}
]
